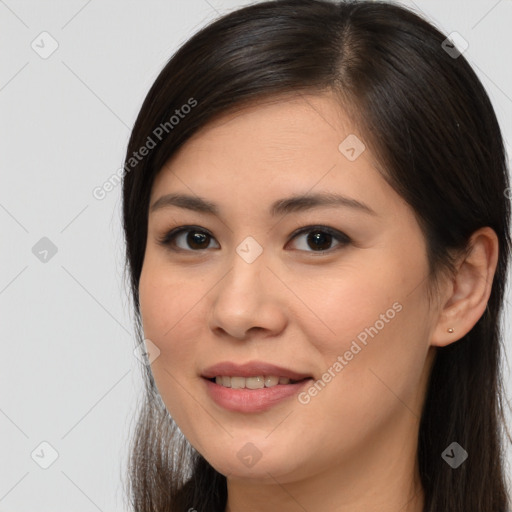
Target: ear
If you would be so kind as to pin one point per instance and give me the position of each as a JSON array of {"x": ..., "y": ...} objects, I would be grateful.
[{"x": 468, "y": 291}]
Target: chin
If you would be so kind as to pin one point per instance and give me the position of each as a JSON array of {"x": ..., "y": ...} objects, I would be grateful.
[{"x": 245, "y": 461}]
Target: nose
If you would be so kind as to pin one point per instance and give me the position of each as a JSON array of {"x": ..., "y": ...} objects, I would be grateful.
[{"x": 249, "y": 299}]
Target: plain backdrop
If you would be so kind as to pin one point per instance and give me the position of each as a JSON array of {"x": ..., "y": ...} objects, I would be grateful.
[{"x": 73, "y": 76}]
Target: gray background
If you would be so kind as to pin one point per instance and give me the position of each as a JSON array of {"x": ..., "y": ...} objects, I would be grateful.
[{"x": 68, "y": 373}]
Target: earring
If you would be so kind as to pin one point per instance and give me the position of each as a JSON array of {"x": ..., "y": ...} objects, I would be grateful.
[{"x": 450, "y": 330}]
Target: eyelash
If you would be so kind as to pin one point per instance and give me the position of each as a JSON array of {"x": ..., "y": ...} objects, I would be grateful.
[{"x": 168, "y": 240}]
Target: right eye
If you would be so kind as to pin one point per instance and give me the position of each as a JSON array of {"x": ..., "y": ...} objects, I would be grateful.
[{"x": 196, "y": 238}]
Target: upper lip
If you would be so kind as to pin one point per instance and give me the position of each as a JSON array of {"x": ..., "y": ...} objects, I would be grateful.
[{"x": 251, "y": 369}]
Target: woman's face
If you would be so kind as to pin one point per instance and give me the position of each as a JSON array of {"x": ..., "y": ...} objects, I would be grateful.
[{"x": 285, "y": 280}]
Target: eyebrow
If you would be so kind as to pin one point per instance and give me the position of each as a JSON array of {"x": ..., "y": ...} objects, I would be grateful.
[{"x": 281, "y": 206}]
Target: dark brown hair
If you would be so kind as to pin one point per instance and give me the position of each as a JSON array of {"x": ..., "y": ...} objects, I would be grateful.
[{"x": 426, "y": 117}]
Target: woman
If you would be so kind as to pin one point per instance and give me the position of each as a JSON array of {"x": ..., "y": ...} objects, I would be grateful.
[{"x": 317, "y": 227}]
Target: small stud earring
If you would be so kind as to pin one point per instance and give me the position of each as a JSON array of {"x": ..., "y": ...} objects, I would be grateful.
[{"x": 450, "y": 330}]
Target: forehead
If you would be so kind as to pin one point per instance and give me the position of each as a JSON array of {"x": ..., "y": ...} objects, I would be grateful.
[
  {"x": 275, "y": 149},
  {"x": 295, "y": 131},
  {"x": 290, "y": 121}
]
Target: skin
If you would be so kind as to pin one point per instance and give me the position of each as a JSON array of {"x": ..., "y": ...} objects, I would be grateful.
[{"x": 353, "y": 446}]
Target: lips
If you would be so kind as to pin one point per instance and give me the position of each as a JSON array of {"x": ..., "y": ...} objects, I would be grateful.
[
  {"x": 250, "y": 399},
  {"x": 251, "y": 369}
]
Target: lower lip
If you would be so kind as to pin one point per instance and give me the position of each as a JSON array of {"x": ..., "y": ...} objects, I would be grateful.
[{"x": 252, "y": 400}]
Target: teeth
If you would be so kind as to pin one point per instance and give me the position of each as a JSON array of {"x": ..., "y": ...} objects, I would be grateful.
[
  {"x": 237, "y": 382},
  {"x": 255, "y": 382},
  {"x": 258, "y": 382},
  {"x": 271, "y": 380}
]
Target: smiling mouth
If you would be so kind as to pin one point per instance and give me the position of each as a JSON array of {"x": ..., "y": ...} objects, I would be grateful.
[{"x": 256, "y": 382}]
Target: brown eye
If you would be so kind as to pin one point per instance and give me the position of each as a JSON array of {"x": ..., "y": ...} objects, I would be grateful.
[
  {"x": 190, "y": 239},
  {"x": 197, "y": 240},
  {"x": 320, "y": 239}
]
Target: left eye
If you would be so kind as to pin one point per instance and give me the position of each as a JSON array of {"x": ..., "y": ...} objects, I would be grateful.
[{"x": 319, "y": 238}]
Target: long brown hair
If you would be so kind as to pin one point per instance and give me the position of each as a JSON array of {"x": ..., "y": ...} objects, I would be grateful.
[{"x": 427, "y": 118}]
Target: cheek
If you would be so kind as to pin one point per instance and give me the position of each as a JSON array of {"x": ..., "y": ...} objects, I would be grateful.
[
  {"x": 355, "y": 301},
  {"x": 371, "y": 378},
  {"x": 374, "y": 367},
  {"x": 370, "y": 327},
  {"x": 171, "y": 321},
  {"x": 169, "y": 308}
]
